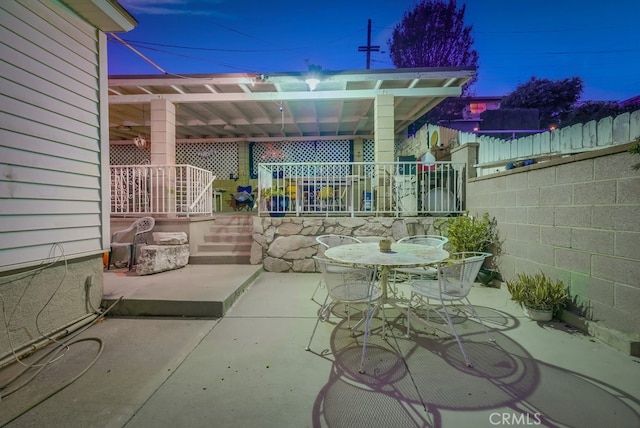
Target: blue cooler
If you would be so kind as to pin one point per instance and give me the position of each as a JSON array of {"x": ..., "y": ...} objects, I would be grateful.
[{"x": 367, "y": 201}]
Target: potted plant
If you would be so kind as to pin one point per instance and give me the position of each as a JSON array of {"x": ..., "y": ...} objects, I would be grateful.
[
  {"x": 538, "y": 295},
  {"x": 474, "y": 234},
  {"x": 277, "y": 201}
]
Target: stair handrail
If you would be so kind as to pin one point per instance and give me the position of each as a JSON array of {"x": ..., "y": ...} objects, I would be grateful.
[{"x": 204, "y": 191}]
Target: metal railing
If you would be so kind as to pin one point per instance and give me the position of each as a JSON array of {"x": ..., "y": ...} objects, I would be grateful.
[
  {"x": 174, "y": 190},
  {"x": 399, "y": 189}
]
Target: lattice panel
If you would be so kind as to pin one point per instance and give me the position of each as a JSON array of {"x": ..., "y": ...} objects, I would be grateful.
[
  {"x": 219, "y": 158},
  {"x": 300, "y": 152},
  {"x": 128, "y": 154},
  {"x": 368, "y": 150}
]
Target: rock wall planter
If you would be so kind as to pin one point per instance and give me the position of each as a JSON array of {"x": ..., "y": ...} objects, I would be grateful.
[{"x": 288, "y": 244}]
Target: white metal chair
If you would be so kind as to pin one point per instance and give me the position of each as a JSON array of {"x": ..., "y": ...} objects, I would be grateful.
[
  {"x": 435, "y": 241},
  {"x": 453, "y": 284},
  {"x": 140, "y": 228},
  {"x": 348, "y": 285},
  {"x": 328, "y": 241}
]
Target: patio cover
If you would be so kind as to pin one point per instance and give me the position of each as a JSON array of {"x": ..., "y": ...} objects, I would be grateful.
[{"x": 278, "y": 106}]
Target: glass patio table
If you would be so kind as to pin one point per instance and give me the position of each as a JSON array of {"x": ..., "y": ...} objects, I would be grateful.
[{"x": 401, "y": 255}]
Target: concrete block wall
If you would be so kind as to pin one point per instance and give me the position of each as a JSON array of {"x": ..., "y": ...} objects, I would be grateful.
[{"x": 577, "y": 219}]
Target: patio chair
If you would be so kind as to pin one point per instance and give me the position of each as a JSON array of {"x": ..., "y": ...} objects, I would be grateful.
[
  {"x": 243, "y": 198},
  {"x": 348, "y": 285},
  {"x": 455, "y": 278},
  {"x": 328, "y": 241},
  {"x": 436, "y": 241},
  {"x": 141, "y": 228}
]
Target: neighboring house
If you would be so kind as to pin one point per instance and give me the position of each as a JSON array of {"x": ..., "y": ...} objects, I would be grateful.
[
  {"x": 54, "y": 219},
  {"x": 471, "y": 113}
]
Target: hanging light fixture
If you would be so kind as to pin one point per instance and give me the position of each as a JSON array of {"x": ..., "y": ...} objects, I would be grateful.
[{"x": 141, "y": 141}]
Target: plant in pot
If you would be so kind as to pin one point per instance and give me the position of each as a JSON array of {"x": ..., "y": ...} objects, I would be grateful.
[
  {"x": 538, "y": 295},
  {"x": 473, "y": 234},
  {"x": 277, "y": 201}
]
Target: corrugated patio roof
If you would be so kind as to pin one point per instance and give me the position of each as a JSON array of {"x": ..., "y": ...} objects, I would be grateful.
[{"x": 278, "y": 106}]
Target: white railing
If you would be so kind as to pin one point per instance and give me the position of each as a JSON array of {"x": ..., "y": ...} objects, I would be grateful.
[
  {"x": 180, "y": 190},
  {"x": 399, "y": 189}
]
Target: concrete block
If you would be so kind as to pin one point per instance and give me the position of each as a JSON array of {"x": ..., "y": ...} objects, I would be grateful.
[
  {"x": 595, "y": 193},
  {"x": 528, "y": 233},
  {"x": 541, "y": 215},
  {"x": 573, "y": 216},
  {"x": 574, "y": 261},
  {"x": 626, "y": 244},
  {"x": 160, "y": 258},
  {"x": 542, "y": 177},
  {"x": 528, "y": 197},
  {"x": 628, "y": 191},
  {"x": 625, "y": 271},
  {"x": 575, "y": 172},
  {"x": 556, "y": 195},
  {"x": 593, "y": 241},
  {"x": 623, "y": 218},
  {"x": 170, "y": 238},
  {"x": 556, "y": 236}
]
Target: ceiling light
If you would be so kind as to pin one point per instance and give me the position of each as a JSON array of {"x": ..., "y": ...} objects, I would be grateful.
[{"x": 312, "y": 82}]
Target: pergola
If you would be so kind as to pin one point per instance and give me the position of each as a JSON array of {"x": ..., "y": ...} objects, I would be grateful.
[{"x": 378, "y": 104}]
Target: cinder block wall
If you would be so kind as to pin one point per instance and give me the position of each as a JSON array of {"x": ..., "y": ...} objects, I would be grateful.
[{"x": 577, "y": 219}]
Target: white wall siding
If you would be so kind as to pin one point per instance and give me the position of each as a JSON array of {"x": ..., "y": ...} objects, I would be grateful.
[{"x": 50, "y": 182}]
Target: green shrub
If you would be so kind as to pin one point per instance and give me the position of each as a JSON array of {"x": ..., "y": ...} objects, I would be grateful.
[
  {"x": 468, "y": 233},
  {"x": 538, "y": 291}
]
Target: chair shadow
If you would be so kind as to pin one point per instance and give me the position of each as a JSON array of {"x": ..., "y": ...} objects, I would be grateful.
[{"x": 411, "y": 381}]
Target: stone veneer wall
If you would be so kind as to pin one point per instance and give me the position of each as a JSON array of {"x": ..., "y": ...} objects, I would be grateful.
[
  {"x": 577, "y": 219},
  {"x": 288, "y": 244}
]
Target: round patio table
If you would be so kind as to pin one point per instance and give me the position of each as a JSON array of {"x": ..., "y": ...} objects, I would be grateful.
[{"x": 401, "y": 255}]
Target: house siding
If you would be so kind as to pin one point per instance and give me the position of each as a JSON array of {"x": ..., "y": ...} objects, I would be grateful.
[
  {"x": 50, "y": 162},
  {"x": 53, "y": 163}
]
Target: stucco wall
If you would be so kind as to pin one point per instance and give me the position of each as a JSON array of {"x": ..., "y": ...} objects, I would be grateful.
[
  {"x": 577, "y": 219},
  {"x": 39, "y": 301},
  {"x": 288, "y": 244}
]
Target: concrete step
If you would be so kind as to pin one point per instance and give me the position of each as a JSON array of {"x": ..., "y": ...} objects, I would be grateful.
[
  {"x": 225, "y": 247},
  {"x": 228, "y": 237},
  {"x": 221, "y": 258},
  {"x": 228, "y": 242},
  {"x": 191, "y": 291},
  {"x": 231, "y": 228},
  {"x": 246, "y": 220}
]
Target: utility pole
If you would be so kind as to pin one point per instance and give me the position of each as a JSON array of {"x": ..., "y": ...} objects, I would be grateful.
[{"x": 368, "y": 48}]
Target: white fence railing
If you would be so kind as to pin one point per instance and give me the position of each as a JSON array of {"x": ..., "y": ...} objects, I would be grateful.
[
  {"x": 180, "y": 190},
  {"x": 400, "y": 189}
]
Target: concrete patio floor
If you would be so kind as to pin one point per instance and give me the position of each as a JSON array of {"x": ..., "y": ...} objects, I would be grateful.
[{"x": 250, "y": 369}]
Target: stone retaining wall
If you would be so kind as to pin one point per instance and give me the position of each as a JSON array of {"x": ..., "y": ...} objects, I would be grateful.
[{"x": 288, "y": 244}]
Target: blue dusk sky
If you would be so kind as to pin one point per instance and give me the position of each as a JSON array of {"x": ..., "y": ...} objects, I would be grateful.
[{"x": 515, "y": 40}]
